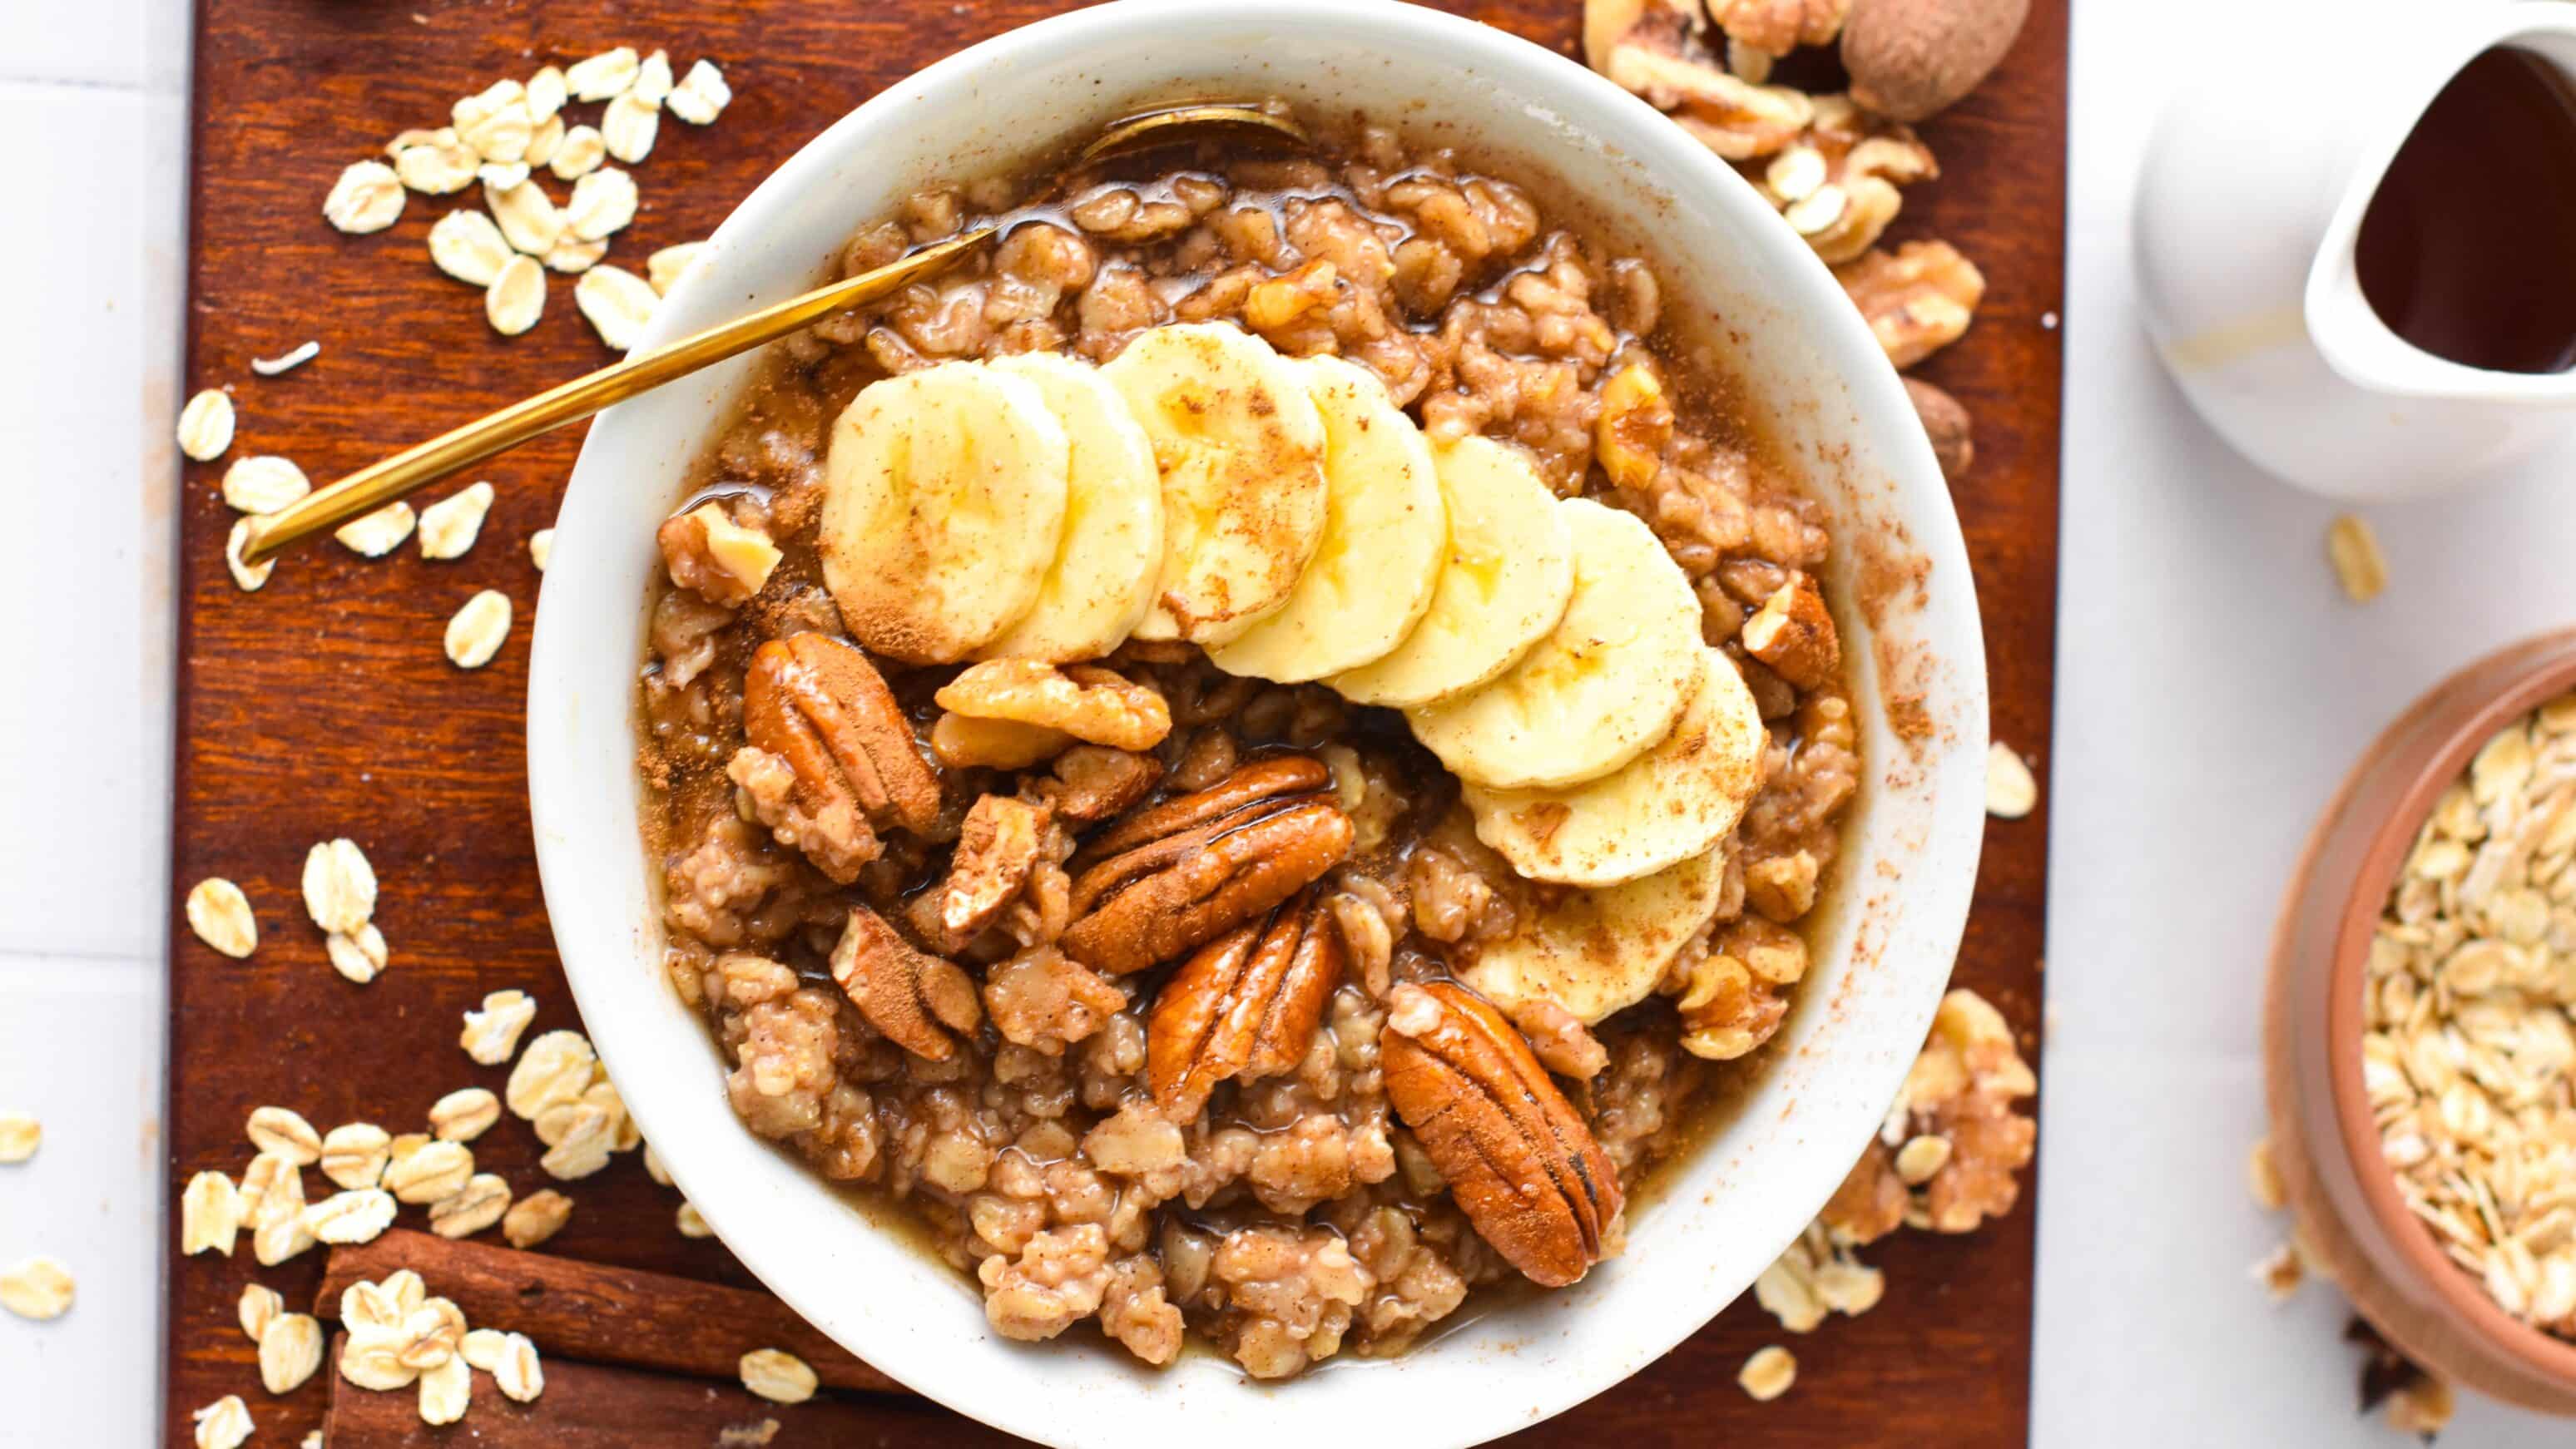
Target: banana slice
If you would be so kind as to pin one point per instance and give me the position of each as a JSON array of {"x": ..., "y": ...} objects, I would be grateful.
[
  {"x": 1505, "y": 583},
  {"x": 1595, "y": 693},
  {"x": 1111, "y": 552},
  {"x": 1385, "y": 533},
  {"x": 1241, "y": 450},
  {"x": 1675, "y": 801},
  {"x": 944, "y": 494},
  {"x": 1595, "y": 952}
]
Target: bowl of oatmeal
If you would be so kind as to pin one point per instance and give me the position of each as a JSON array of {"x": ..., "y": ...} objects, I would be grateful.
[
  {"x": 2420, "y": 1032},
  {"x": 1354, "y": 768}
]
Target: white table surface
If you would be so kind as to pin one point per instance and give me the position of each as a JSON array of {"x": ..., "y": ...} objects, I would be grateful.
[{"x": 2212, "y": 685}]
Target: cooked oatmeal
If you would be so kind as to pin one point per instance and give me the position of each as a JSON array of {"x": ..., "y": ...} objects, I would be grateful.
[{"x": 1139, "y": 982}]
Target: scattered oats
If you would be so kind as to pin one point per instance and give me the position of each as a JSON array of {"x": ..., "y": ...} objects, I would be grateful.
[
  {"x": 628, "y": 127},
  {"x": 432, "y": 1333},
  {"x": 555, "y": 1068},
  {"x": 443, "y": 136},
  {"x": 2280, "y": 1271},
  {"x": 355, "y": 1216},
  {"x": 432, "y": 1171},
  {"x": 534, "y": 1218},
  {"x": 373, "y": 535},
  {"x": 492, "y": 1031},
  {"x": 354, "y": 1155},
  {"x": 701, "y": 95},
  {"x": 1768, "y": 1373},
  {"x": 371, "y": 1311},
  {"x": 653, "y": 1167},
  {"x": 247, "y": 577},
  {"x": 541, "y": 546},
  {"x": 464, "y": 1114},
  {"x": 589, "y": 1137},
  {"x": 482, "y": 1347},
  {"x": 581, "y": 151},
  {"x": 546, "y": 92},
  {"x": 2421, "y": 1407},
  {"x": 375, "y": 1363},
  {"x": 665, "y": 267},
  {"x": 439, "y": 168},
  {"x": 467, "y": 246},
  {"x": 2011, "y": 792},
  {"x": 339, "y": 885},
  {"x": 210, "y": 1215},
  {"x": 20, "y": 1135},
  {"x": 573, "y": 256},
  {"x": 206, "y": 425},
  {"x": 264, "y": 483},
  {"x": 290, "y": 1350},
  {"x": 445, "y": 1391},
  {"x": 449, "y": 526},
  {"x": 496, "y": 122},
  {"x": 2263, "y": 1177},
  {"x": 518, "y": 1375},
  {"x": 618, "y": 303},
  {"x": 653, "y": 79},
  {"x": 692, "y": 1223},
  {"x": 38, "y": 1288},
  {"x": 312, "y": 1439},
  {"x": 279, "y": 1240},
  {"x": 223, "y": 1424},
  {"x": 502, "y": 175},
  {"x": 602, "y": 203},
  {"x": 747, "y": 1436},
  {"x": 603, "y": 75},
  {"x": 474, "y": 635},
  {"x": 528, "y": 218},
  {"x": 545, "y": 140},
  {"x": 269, "y": 1175},
  {"x": 220, "y": 915},
  {"x": 778, "y": 1376},
  {"x": 285, "y": 1132},
  {"x": 367, "y": 197},
  {"x": 2359, "y": 566},
  {"x": 517, "y": 296},
  {"x": 358, "y": 957},
  {"x": 259, "y": 1305},
  {"x": 1921, "y": 1158},
  {"x": 287, "y": 361},
  {"x": 476, "y": 1206}
]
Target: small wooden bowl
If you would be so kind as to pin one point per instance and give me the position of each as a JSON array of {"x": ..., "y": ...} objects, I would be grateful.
[{"x": 2323, "y": 1139}]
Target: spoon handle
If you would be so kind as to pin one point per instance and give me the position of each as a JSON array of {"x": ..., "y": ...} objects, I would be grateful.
[{"x": 380, "y": 483}]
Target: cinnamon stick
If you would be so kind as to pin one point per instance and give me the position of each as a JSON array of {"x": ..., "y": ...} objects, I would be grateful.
[
  {"x": 592, "y": 1406},
  {"x": 600, "y": 1314}
]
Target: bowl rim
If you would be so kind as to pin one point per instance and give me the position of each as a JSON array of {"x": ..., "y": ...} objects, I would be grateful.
[
  {"x": 2383, "y": 854},
  {"x": 1947, "y": 834}
]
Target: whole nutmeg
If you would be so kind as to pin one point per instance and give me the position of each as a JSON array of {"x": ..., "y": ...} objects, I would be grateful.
[{"x": 1909, "y": 59}]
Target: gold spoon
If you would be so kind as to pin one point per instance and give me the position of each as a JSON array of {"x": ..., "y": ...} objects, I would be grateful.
[{"x": 378, "y": 484}]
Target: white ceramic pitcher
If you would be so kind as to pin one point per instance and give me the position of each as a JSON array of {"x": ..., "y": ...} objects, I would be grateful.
[{"x": 2248, "y": 209}]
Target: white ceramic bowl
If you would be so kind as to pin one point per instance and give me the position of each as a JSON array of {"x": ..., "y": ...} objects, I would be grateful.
[{"x": 1812, "y": 372}]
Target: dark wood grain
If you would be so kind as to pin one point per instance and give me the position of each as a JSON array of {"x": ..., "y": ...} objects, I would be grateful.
[
  {"x": 598, "y": 1312},
  {"x": 323, "y": 706}
]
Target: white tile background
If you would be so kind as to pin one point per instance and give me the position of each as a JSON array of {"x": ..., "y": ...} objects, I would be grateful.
[{"x": 2208, "y": 675}]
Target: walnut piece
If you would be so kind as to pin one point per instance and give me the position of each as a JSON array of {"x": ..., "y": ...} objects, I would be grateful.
[
  {"x": 999, "y": 845},
  {"x": 821, "y": 706},
  {"x": 1184, "y": 872},
  {"x": 1245, "y": 1007},
  {"x": 1917, "y": 300},
  {"x": 1776, "y": 27},
  {"x": 1518, "y": 1158},
  {"x": 907, "y": 994},
  {"x": 1961, "y": 1091},
  {"x": 1837, "y": 183},
  {"x": 1092, "y": 782},
  {"x": 714, "y": 557},
  {"x": 1733, "y": 996},
  {"x": 1793, "y": 632},
  {"x": 1651, "y": 51},
  {"x": 963, "y": 742},
  {"x": 1635, "y": 426},
  {"x": 1092, "y": 704}
]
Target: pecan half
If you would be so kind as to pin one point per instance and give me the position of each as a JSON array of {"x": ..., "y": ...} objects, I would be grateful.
[
  {"x": 1186, "y": 871},
  {"x": 1245, "y": 1007},
  {"x": 1519, "y": 1160},
  {"x": 914, "y": 998},
  {"x": 819, "y": 704}
]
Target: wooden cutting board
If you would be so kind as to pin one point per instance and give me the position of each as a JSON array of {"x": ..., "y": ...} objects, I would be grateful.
[{"x": 323, "y": 705}]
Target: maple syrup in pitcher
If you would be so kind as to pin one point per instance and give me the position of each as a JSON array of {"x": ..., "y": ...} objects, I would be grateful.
[{"x": 2468, "y": 250}]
